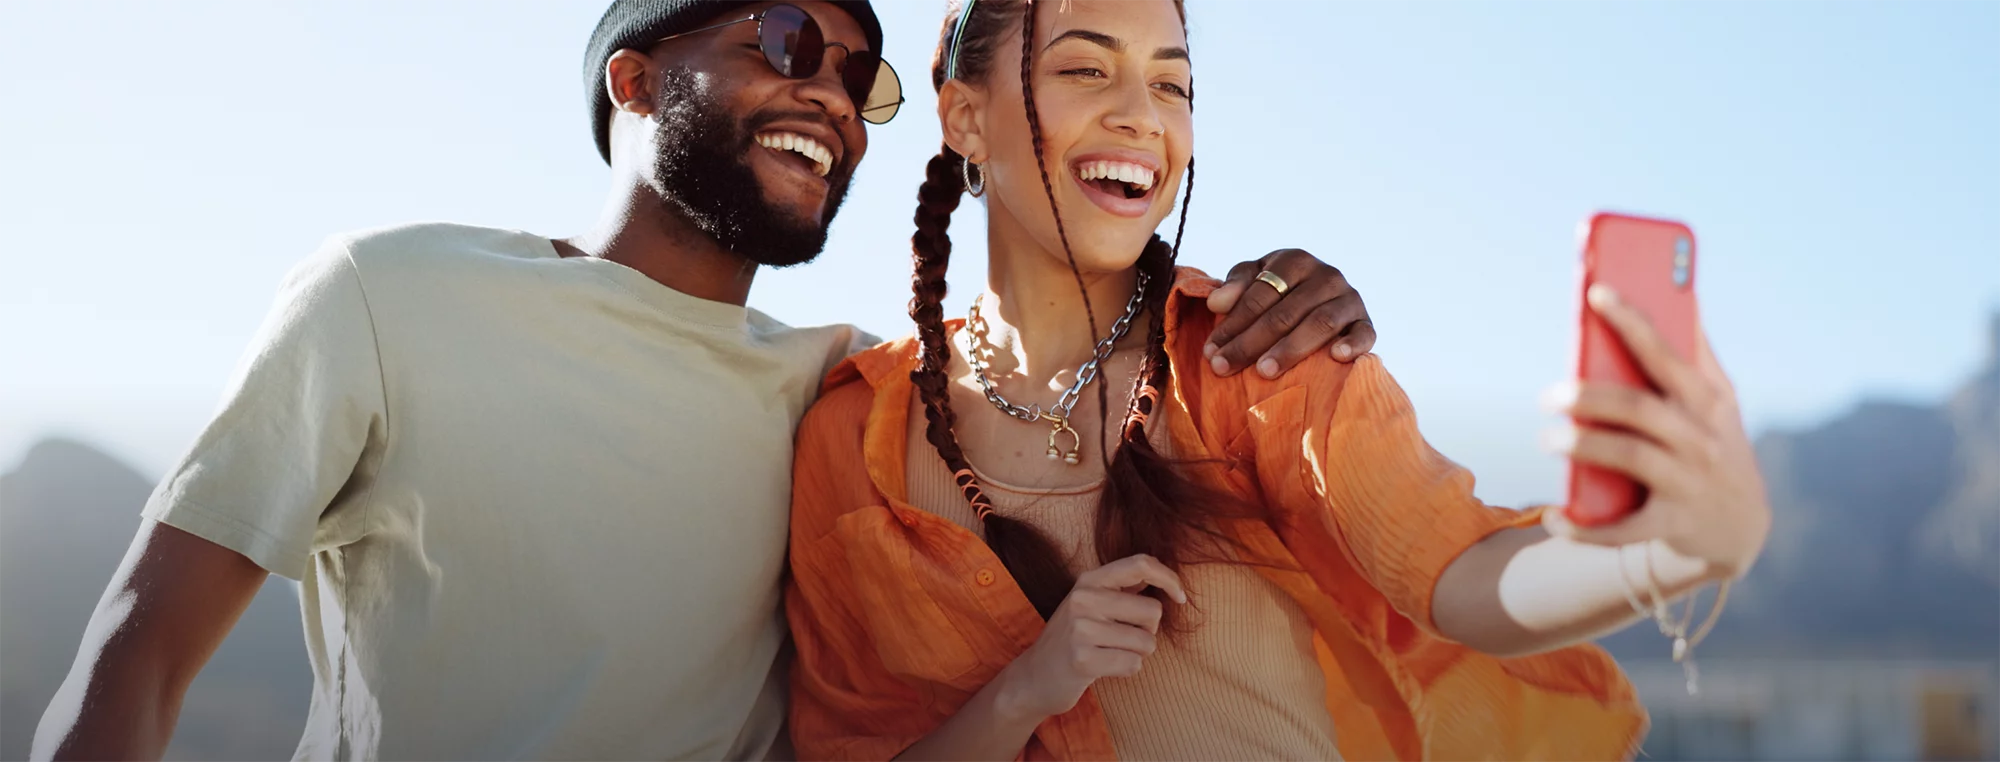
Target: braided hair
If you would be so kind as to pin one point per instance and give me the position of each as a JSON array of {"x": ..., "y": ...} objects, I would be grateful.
[{"x": 1150, "y": 504}]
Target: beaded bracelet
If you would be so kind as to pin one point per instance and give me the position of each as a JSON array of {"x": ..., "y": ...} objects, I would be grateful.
[{"x": 1662, "y": 615}]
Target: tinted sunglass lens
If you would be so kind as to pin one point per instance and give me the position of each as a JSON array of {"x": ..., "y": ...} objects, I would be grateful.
[
  {"x": 791, "y": 41},
  {"x": 873, "y": 84},
  {"x": 858, "y": 76}
]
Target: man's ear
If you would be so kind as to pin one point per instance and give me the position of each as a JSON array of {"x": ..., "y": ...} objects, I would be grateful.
[
  {"x": 962, "y": 111},
  {"x": 628, "y": 82}
]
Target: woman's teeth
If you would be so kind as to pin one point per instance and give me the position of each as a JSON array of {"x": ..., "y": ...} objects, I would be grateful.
[
  {"x": 1138, "y": 176},
  {"x": 791, "y": 141}
]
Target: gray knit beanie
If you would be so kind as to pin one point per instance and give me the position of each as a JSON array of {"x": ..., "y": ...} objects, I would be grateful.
[{"x": 632, "y": 23}]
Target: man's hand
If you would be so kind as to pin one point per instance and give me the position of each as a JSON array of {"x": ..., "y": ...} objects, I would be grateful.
[{"x": 1276, "y": 331}]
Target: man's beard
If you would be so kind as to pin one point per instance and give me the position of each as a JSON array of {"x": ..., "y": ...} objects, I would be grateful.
[{"x": 702, "y": 169}]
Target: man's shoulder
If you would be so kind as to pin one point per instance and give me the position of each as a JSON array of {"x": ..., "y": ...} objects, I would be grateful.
[
  {"x": 838, "y": 340},
  {"x": 427, "y": 245}
]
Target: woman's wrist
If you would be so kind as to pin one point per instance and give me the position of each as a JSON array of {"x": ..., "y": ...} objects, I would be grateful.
[
  {"x": 1676, "y": 573},
  {"x": 1011, "y": 699}
]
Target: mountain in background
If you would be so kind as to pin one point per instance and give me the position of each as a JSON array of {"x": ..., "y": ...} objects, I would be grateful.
[
  {"x": 67, "y": 514},
  {"x": 1886, "y": 539}
]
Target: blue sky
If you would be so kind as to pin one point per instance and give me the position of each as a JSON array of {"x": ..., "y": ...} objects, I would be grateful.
[{"x": 162, "y": 165}]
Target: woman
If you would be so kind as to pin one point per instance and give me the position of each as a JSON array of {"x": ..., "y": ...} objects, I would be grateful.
[{"x": 992, "y": 559}]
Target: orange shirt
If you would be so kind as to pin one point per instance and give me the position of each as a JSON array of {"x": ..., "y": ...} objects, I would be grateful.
[{"x": 900, "y": 616}]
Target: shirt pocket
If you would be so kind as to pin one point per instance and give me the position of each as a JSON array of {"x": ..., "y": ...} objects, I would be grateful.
[{"x": 915, "y": 637}]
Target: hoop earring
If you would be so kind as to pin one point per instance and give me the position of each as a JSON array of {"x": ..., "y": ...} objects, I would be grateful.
[{"x": 968, "y": 170}]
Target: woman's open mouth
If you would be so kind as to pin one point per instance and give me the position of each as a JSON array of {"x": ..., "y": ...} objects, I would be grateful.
[{"x": 1122, "y": 188}]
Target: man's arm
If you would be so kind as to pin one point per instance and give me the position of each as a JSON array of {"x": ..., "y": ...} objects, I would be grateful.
[{"x": 171, "y": 603}]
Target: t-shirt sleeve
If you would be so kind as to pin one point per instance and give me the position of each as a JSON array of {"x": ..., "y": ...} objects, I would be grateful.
[
  {"x": 305, "y": 408},
  {"x": 857, "y": 340},
  {"x": 845, "y": 341}
]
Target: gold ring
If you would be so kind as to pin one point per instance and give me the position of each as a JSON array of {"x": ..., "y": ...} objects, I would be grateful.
[{"x": 1271, "y": 279}]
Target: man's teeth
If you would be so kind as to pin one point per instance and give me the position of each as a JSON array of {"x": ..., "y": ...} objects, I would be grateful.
[
  {"x": 1122, "y": 171},
  {"x": 804, "y": 146}
]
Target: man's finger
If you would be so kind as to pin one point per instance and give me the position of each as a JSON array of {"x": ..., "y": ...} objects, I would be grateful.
[
  {"x": 1249, "y": 314},
  {"x": 1360, "y": 340},
  {"x": 1289, "y": 317},
  {"x": 1248, "y": 299},
  {"x": 1324, "y": 324},
  {"x": 1224, "y": 297}
]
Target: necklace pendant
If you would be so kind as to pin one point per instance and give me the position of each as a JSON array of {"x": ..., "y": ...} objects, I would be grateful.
[{"x": 1059, "y": 426}]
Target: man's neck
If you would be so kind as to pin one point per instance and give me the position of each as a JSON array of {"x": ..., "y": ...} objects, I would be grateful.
[{"x": 641, "y": 231}]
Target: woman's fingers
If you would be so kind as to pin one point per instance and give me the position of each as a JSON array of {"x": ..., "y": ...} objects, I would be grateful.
[
  {"x": 1628, "y": 454},
  {"x": 1667, "y": 370},
  {"x": 1135, "y": 573},
  {"x": 1638, "y": 410},
  {"x": 1123, "y": 637},
  {"x": 1139, "y": 611},
  {"x": 1116, "y": 662},
  {"x": 1637, "y": 527}
]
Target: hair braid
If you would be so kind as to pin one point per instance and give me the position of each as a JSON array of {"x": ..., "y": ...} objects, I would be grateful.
[
  {"x": 1150, "y": 504},
  {"x": 1035, "y": 133},
  {"x": 1029, "y": 556}
]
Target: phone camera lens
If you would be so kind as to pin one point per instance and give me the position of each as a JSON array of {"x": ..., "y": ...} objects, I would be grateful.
[{"x": 1683, "y": 262}]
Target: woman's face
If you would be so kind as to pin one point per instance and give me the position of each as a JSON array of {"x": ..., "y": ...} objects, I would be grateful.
[{"x": 1112, "y": 84}]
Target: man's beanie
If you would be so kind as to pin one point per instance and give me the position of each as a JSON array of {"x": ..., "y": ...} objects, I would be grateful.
[{"x": 637, "y": 23}]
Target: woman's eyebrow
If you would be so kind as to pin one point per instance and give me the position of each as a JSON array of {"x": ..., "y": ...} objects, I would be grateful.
[
  {"x": 1100, "y": 39},
  {"x": 1116, "y": 45}
]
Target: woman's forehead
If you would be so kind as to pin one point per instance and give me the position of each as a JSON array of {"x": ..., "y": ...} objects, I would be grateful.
[{"x": 1141, "y": 24}]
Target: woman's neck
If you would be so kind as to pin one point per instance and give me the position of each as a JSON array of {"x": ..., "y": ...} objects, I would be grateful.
[{"x": 1037, "y": 325}]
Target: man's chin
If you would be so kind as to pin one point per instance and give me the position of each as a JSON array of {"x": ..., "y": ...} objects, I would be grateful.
[
  {"x": 785, "y": 237},
  {"x": 780, "y": 257}
]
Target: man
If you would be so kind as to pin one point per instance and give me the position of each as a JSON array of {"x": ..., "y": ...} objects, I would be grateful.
[{"x": 535, "y": 491}]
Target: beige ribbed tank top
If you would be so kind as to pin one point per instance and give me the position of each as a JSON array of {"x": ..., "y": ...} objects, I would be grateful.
[{"x": 1243, "y": 683}]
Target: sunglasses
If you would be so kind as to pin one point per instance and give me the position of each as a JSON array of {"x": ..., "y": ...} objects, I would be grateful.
[{"x": 794, "y": 45}]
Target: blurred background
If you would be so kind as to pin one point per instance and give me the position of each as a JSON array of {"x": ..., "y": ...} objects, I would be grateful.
[{"x": 163, "y": 164}]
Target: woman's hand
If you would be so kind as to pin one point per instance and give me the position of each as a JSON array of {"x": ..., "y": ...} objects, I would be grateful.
[
  {"x": 1706, "y": 499},
  {"x": 1105, "y": 628}
]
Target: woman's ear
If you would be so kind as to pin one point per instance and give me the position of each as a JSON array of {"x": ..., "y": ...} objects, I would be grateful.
[
  {"x": 961, "y": 112},
  {"x": 628, "y": 82}
]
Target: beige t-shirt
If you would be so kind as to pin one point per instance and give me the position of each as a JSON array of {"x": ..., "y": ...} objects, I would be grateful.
[{"x": 537, "y": 506}]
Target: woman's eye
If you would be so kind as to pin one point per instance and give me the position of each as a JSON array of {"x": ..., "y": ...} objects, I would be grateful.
[
  {"x": 1082, "y": 71},
  {"x": 1177, "y": 90}
]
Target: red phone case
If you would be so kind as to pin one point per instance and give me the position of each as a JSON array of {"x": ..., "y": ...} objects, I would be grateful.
[{"x": 1651, "y": 265}]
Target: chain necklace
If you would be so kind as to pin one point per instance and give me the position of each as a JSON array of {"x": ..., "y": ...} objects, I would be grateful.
[{"x": 1058, "y": 414}]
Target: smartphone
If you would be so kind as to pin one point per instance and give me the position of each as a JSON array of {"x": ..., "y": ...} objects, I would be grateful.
[{"x": 1650, "y": 263}]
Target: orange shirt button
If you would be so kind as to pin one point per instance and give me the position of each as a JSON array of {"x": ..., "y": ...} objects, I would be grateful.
[{"x": 985, "y": 577}]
